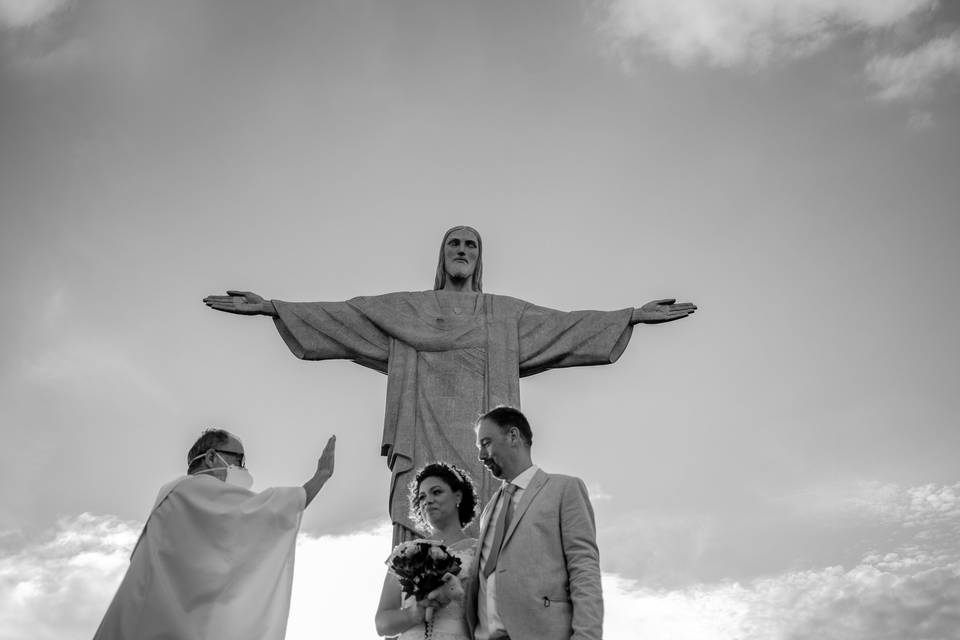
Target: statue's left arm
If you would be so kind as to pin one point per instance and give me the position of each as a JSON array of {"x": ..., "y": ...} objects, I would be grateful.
[{"x": 551, "y": 339}]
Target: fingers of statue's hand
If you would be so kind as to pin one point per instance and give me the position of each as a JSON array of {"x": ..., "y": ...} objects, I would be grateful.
[
  {"x": 221, "y": 306},
  {"x": 232, "y": 307},
  {"x": 672, "y": 315},
  {"x": 657, "y": 306},
  {"x": 248, "y": 296},
  {"x": 223, "y": 301}
]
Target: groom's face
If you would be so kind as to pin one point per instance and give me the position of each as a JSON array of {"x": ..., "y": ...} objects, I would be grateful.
[{"x": 493, "y": 448}]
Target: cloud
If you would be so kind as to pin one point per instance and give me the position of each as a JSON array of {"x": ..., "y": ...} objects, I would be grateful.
[
  {"x": 867, "y": 601},
  {"x": 732, "y": 33},
  {"x": 926, "y": 506},
  {"x": 17, "y": 14},
  {"x": 914, "y": 75},
  {"x": 696, "y": 613},
  {"x": 336, "y": 585},
  {"x": 920, "y": 120},
  {"x": 51, "y": 589},
  {"x": 59, "y": 585},
  {"x": 664, "y": 549},
  {"x": 598, "y": 493}
]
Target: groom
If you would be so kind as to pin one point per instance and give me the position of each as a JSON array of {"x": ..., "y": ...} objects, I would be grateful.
[{"x": 537, "y": 573}]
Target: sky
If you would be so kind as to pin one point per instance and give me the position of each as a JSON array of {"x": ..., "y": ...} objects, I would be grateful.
[{"x": 780, "y": 466}]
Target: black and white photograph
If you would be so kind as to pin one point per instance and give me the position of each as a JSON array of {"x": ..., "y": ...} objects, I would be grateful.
[{"x": 480, "y": 320}]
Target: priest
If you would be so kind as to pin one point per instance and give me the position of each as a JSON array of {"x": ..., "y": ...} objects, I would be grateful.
[{"x": 215, "y": 559}]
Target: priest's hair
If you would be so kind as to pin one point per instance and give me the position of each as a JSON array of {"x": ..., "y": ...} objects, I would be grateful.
[{"x": 209, "y": 439}]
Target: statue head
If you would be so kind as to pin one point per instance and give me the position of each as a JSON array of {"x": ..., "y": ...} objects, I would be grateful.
[{"x": 461, "y": 257}]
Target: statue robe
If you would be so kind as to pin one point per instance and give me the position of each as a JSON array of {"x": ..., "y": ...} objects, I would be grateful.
[
  {"x": 213, "y": 561},
  {"x": 449, "y": 357}
]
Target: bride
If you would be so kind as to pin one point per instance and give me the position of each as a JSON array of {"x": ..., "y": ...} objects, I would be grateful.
[{"x": 443, "y": 502}]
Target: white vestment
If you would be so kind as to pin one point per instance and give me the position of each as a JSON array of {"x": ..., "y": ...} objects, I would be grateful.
[{"x": 213, "y": 561}]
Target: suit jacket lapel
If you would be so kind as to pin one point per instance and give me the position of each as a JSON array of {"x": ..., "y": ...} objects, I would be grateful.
[
  {"x": 485, "y": 515},
  {"x": 536, "y": 484},
  {"x": 474, "y": 582}
]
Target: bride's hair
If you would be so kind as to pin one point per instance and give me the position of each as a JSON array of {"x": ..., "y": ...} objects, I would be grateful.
[{"x": 455, "y": 478}]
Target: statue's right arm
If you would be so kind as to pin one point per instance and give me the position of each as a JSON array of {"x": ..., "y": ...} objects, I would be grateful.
[
  {"x": 245, "y": 303},
  {"x": 349, "y": 330}
]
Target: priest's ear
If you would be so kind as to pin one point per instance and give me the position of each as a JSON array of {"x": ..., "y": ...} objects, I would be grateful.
[{"x": 210, "y": 458}]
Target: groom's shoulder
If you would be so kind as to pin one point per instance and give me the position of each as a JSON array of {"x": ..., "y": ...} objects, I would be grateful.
[
  {"x": 562, "y": 480},
  {"x": 561, "y": 477}
]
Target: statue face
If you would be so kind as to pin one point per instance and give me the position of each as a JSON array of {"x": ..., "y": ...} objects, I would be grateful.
[{"x": 460, "y": 254}]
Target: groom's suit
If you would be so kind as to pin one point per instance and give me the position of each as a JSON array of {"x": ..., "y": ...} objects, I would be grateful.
[{"x": 548, "y": 574}]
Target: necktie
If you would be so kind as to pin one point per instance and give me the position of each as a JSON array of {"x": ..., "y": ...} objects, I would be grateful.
[{"x": 503, "y": 521}]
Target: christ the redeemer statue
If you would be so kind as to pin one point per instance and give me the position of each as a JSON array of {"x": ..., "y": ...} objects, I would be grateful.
[{"x": 450, "y": 354}]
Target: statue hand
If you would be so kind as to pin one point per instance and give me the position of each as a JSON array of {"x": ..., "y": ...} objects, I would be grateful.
[
  {"x": 665, "y": 310},
  {"x": 245, "y": 303}
]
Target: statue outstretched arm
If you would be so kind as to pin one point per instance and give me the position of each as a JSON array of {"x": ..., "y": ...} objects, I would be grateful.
[
  {"x": 316, "y": 330},
  {"x": 245, "y": 303},
  {"x": 665, "y": 310}
]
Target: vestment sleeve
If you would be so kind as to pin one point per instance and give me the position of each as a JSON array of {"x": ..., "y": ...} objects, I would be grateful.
[
  {"x": 550, "y": 339},
  {"x": 236, "y": 520},
  {"x": 579, "y": 539}
]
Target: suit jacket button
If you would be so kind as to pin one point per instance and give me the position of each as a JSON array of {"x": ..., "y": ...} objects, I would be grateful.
[{"x": 546, "y": 601}]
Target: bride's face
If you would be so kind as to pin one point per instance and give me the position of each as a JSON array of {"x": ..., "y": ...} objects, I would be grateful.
[{"x": 438, "y": 502}]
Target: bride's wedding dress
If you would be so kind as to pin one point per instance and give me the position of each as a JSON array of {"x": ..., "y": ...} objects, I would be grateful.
[{"x": 448, "y": 621}]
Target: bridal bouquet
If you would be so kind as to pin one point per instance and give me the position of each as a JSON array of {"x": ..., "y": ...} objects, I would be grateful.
[{"x": 424, "y": 567}]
